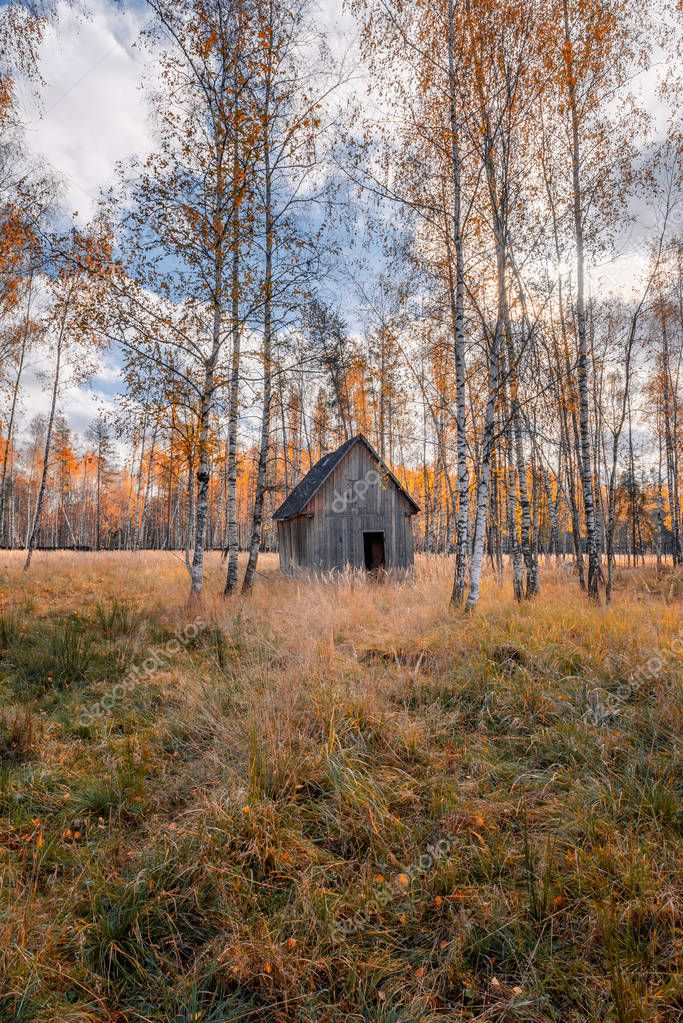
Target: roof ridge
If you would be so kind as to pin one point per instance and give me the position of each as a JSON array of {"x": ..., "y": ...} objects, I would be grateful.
[{"x": 309, "y": 485}]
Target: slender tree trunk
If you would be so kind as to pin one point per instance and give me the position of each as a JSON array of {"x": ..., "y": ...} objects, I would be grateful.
[
  {"x": 594, "y": 570},
  {"x": 572, "y": 499},
  {"x": 535, "y": 500},
  {"x": 499, "y": 206},
  {"x": 462, "y": 550},
  {"x": 484, "y": 472},
  {"x": 283, "y": 423},
  {"x": 74, "y": 542},
  {"x": 632, "y": 489},
  {"x": 660, "y": 500},
  {"x": 255, "y": 543},
  {"x": 382, "y": 392},
  {"x": 8, "y": 441},
  {"x": 98, "y": 500},
  {"x": 138, "y": 491},
  {"x": 203, "y": 431},
  {"x": 10, "y": 425},
  {"x": 189, "y": 532},
  {"x": 561, "y": 399},
  {"x": 148, "y": 485},
  {"x": 670, "y": 441},
  {"x": 552, "y": 511},
  {"x": 612, "y": 482},
  {"x": 233, "y": 531},
  {"x": 203, "y": 477},
  {"x": 516, "y": 556},
  {"x": 31, "y": 540},
  {"x": 517, "y": 451}
]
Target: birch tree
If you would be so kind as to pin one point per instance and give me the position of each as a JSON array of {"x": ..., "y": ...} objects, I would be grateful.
[
  {"x": 72, "y": 321},
  {"x": 597, "y": 46},
  {"x": 290, "y": 92},
  {"x": 188, "y": 204}
]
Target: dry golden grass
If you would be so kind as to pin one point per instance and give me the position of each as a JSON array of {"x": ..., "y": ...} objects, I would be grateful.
[{"x": 337, "y": 801}]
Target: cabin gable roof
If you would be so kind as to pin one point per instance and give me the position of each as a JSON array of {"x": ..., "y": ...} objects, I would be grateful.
[{"x": 308, "y": 487}]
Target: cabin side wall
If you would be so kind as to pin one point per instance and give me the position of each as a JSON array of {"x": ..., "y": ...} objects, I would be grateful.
[
  {"x": 354, "y": 499},
  {"x": 293, "y": 543}
]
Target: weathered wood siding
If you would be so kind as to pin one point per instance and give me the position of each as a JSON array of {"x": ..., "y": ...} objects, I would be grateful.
[
  {"x": 293, "y": 535},
  {"x": 354, "y": 499}
]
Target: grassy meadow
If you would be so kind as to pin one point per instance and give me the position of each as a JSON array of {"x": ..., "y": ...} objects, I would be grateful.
[{"x": 337, "y": 802}]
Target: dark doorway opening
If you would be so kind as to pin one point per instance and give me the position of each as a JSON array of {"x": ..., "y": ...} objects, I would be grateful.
[{"x": 373, "y": 546}]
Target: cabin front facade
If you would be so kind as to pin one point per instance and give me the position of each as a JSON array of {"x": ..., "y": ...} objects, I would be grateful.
[{"x": 349, "y": 510}]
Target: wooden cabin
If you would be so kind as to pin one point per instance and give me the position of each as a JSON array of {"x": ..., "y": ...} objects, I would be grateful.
[{"x": 348, "y": 510}]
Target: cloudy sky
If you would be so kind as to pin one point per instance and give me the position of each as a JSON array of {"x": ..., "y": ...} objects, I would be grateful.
[
  {"x": 88, "y": 115},
  {"x": 91, "y": 113}
]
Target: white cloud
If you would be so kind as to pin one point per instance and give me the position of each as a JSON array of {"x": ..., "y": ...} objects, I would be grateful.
[
  {"x": 78, "y": 402},
  {"x": 90, "y": 112}
]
